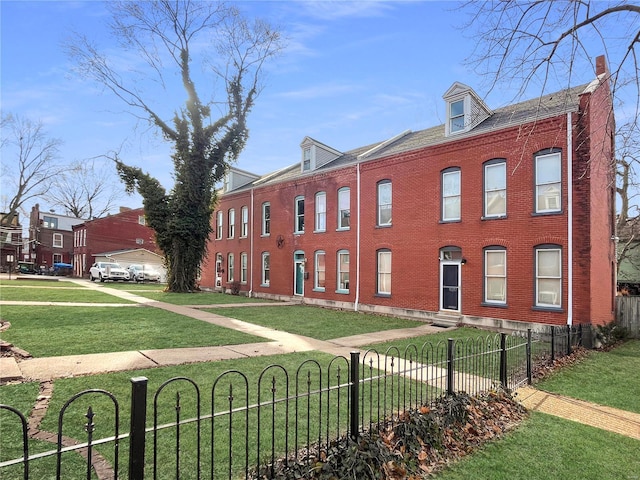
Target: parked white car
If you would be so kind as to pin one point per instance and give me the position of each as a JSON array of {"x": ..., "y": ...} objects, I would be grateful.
[
  {"x": 143, "y": 273},
  {"x": 108, "y": 271}
]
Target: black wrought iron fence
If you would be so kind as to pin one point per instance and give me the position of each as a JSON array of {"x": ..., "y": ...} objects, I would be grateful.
[{"x": 242, "y": 425}]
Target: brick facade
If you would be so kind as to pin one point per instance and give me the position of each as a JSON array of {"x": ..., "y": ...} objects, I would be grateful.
[
  {"x": 417, "y": 236},
  {"x": 122, "y": 231}
]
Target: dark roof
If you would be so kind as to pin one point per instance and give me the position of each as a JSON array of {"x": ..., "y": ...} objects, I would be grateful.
[{"x": 517, "y": 114}]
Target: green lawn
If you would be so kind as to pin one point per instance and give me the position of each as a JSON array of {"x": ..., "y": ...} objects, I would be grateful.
[
  {"x": 609, "y": 378},
  {"x": 35, "y": 283},
  {"x": 198, "y": 298},
  {"x": 53, "y": 331},
  {"x": 68, "y": 293},
  {"x": 546, "y": 448},
  {"x": 318, "y": 323}
]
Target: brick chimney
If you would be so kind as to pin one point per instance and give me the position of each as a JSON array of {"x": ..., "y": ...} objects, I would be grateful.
[{"x": 601, "y": 65}]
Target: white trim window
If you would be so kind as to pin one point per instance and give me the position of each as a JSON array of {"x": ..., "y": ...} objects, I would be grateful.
[
  {"x": 344, "y": 208},
  {"x": 266, "y": 219},
  {"x": 343, "y": 271},
  {"x": 548, "y": 276},
  {"x": 232, "y": 223},
  {"x": 319, "y": 276},
  {"x": 299, "y": 215},
  {"x": 244, "y": 213},
  {"x": 142, "y": 220},
  {"x": 548, "y": 183},
  {"x": 57, "y": 240},
  {"x": 384, "y": 272},
  {"x": 451, "y": 197},
  {"x": 495, "y": 275},
  {"x": 230, "y": 267},
  {"x": 243, "y": 267},
  {"x": 456, "y": 116},
  {"x": 57, "y": 258},
  {"x": 306, "y": 159},
  {"x": 266, "y": 269},
  {"x": 219, "y": 225},
  {"x": 495, "y": 189},
  {"x": 321, "y": 212},
  {"x": 384, "y": 203}
]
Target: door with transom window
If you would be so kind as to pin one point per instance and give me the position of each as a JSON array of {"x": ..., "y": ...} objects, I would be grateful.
[{"x": 450, "y": 278}]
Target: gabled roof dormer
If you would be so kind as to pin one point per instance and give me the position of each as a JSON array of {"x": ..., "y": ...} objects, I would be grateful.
[
  {"x": 316, "y": 154},
  {"x": 465, "y": 109},
  {"x": 236, "y": 178}
]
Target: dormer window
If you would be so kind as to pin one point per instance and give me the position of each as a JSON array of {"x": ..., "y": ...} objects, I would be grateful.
[
  {"x": 456, "y": 116},
  {"x": 465, "y": 109},
  {"x": 316, "y": 154}
]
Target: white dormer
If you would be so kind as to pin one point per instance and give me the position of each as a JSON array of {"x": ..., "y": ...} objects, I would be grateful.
[
  {"x": 316, "y": 154},
  {"x": 465, "y": 109},
  {"x": 236, "y": 178}
]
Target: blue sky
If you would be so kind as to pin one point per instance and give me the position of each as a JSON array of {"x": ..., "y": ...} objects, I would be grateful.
[{"x": 353, "y": 73}]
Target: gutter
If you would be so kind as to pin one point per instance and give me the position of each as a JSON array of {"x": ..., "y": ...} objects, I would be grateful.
[
  {"x": 250, "y": 259},
  {"x": 357, "y": 299},
  {"x": 570, "y": 220}
]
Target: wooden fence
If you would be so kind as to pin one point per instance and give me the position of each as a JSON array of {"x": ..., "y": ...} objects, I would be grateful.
[{"x": 628, "y": 314}]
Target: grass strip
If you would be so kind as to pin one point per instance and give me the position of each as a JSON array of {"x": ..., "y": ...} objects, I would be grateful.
[
  {"x": 314, "y": 322},
  {"x": 55, "y": 331}
]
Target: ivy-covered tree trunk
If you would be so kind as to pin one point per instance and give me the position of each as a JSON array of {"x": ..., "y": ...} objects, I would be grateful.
[{"x": 202, "y": 147}]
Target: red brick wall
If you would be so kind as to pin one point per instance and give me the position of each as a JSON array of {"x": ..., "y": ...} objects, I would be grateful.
[{"x": 417, "y": 234}]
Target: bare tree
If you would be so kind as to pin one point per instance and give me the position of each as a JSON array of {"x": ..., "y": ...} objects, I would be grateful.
[
  {"x": 88, "y": 189},
  {"x": 29, "y": 163},
  {"x": 172, "y": 37},
  {"x": 628, "y": 182},
  {"x": 527, "y": 41}
]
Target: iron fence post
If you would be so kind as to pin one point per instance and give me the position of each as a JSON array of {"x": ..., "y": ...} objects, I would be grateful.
[
  {"x": 450, "y": 358},
  {"x": 503, "y": 360},
  {"x": 568, "y": 339},
  {"x": 354, "y": 395},
  {"x": 137, "y": 430},
  {"x": 553, "y": 343},
  {"x": 529, "y": 360},
  {"x": 580, "y": 335}
]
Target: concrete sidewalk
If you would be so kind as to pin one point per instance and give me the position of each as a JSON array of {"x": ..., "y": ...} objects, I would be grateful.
[{"x": 598, "y": 416}]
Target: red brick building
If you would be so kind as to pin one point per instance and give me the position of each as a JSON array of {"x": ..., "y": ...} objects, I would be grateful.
[
  {"x": 497, "y": 216},
  {"x": 126, "y": 230},
  {"x": 50, "y": 238}
]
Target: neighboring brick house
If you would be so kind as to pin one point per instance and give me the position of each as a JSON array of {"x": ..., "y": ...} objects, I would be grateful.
[
  {"x": 126, "y": 230},
  {"x": 497, "y": 216},
  {"x": 50, "y": 238}
]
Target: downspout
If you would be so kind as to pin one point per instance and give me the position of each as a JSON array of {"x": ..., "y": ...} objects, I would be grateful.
[
  {"x": 357, "y": 300},
  {"x": 570, "y": 219},
  {"x": 250, "y": 260}
]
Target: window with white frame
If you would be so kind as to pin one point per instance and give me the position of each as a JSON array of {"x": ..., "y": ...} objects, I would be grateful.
[
  {"x": 232, "y": 223},
  {"x": 451, "y": 195},
  {"x": 384, "y": 203},
  {"x": 495, "y": 275},
  {"x": 57, "y": 240},
  {"x": 495, "y": 188},
  {"x": 299, "y": 215},
  {"x": 230, "y": 267},
  {"x": 321, "y": 211},
  {"x": 219, "y": 225},
  {"x": 243, "y": 267},
  {"x": 344, "y": 208},
  {"x": 343, "y": 271},
  {"x": 266, "y": 269},
  {"x": 548, "y": 276},
  {"x": 548, "y": 183},
  {"x": 384, "y": 272},
  {"x": 456, "y": 116},
  {"x": 266, "y": 218},
  {"x": 319, "y": 278},
  {"x": 142, "y": 220},
  {"x": 57, "y": 258},
  {"x": 245, "y": 221}
]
